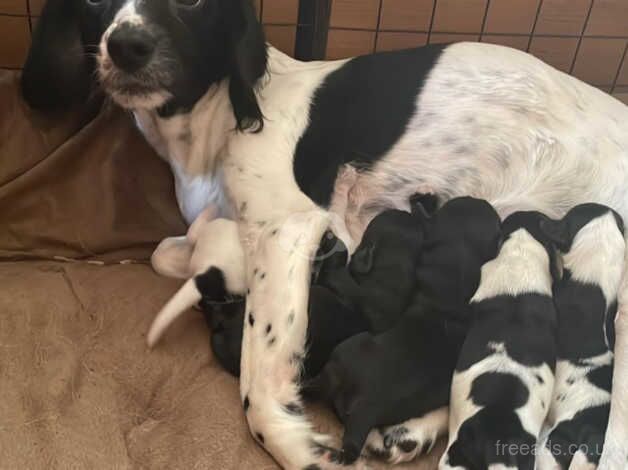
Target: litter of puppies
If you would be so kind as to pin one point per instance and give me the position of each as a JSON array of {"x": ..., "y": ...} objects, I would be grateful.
[{"x": 509, "y": 324}]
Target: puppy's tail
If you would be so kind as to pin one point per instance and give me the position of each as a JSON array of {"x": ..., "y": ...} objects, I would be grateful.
[{"x": 186, "y": 297}]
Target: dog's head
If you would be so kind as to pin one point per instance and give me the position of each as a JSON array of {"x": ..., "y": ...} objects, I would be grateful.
[{"x": 150, "y": 54}]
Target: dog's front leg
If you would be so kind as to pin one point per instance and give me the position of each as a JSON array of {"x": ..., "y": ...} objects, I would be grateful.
[
  {"x": 278, "y": 263},
  {"x": 615, "y": 452}
]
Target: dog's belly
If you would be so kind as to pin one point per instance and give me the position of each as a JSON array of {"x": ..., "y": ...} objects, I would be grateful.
[{"x": 507, "y": 129}]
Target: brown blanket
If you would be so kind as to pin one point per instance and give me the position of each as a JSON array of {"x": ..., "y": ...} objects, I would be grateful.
[{"x": 83, "y": 203}]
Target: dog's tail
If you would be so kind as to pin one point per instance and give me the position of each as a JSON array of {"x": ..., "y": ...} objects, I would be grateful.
[{"x": 186, "y": 297}]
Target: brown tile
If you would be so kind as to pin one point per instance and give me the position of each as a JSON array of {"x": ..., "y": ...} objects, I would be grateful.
[
  {"x": 622, "y": 79},
  {"x": 406, "y": 15},
  {"x": 608, "y": 18},
  {"x": 442, "y": 38},
  {"x": 281, "y": 11},
  {"x": 459, "y": 16},
  {"x": 605, "y": 89},
  {"x": 621, "y": 95},
  {"x": 558, "y": 52},
  {"x": 359, "y": 14},
  {"x": 13, "y": 7},
  {"x": 562, "y": 17},
  {"x": 598, "y": 60},
  {"x": 511, "y": 16},
  {"x": 387, "y": 41},
  {"x": 343, "y": 43},
  {"x": 36, "y": 6},
  {"x": 13, "y": 52},
  {"x": 282, "y": 37},
  {"x": 517, "y": 42}
]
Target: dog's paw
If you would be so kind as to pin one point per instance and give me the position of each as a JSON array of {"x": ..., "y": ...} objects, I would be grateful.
[{"x": 398, "y": 444}]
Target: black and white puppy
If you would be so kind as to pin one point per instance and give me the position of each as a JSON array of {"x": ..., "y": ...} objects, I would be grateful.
[
  {"x": 502, "y": 385},
  {"x": 591, "y": 240},
  {"x": 379, "y": 380}
]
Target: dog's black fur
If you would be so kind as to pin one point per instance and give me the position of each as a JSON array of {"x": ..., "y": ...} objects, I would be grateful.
[
  {"x": 378, "y": 380},
  {"x": 381, "y": 277}
]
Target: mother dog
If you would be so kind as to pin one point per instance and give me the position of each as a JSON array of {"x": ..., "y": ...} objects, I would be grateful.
[{"x": 255, "y": 134}]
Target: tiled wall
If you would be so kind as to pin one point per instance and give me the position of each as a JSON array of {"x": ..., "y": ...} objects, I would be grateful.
[
  {"x": 17, "y": 18},
  {"x": 587, "y": 38}
]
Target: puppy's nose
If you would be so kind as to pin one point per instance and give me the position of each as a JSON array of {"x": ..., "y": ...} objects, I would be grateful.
[{"x": 130, "y": 47}]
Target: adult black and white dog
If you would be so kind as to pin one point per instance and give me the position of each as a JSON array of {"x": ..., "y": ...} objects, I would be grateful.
[
  {"x": 591, "y": 239},
  {"x": 261, "y": 136}
]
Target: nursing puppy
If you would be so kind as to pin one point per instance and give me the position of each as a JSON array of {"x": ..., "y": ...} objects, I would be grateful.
[
  {"x": 502, "y": 385},
  {"x": 381, "y": 277},
  {"x": 379, "y": 380},
  {"x": 591, "y": 240},
  {"x": 216, "y": 265}
]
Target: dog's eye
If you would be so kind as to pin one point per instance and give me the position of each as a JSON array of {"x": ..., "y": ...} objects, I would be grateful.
[{"x": 189, "y": 3}]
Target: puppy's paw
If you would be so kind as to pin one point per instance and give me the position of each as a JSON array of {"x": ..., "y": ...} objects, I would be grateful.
[{"x": 406, "y": 444}]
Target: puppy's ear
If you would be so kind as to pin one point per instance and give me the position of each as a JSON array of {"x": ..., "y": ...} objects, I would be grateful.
[
  {"x": 248, "y": 64},
  {"x": 57, "y": 73},
  {"x": 557, "y": 232},
  {"x": 362, "y": 260}
]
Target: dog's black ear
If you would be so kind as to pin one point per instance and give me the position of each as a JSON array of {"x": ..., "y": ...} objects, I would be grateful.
[
  {"x": 248, "y": 64},
  {"x": 362, "y": 260},
  {"x": 57, "y": 73},
  {"x": 557, "y": 231}
]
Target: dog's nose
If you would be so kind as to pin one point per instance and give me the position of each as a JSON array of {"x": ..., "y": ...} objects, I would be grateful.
[{"x": 130, "y": 47}]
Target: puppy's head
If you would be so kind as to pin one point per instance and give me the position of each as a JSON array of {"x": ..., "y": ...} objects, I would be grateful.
[
  {"x": 393, "y": 236},
  {"x": 156, "y": 54},
  {"x": 531, "y": 222},
  {"x": 580, "y": 219}
]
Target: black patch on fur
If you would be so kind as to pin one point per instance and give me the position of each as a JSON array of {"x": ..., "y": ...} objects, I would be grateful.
[
  {"x": 294, "y": 409},
  {"x": 269, "y": 327},
  {"x": 358, "y": 113},
  {"x": 260, "y": 437},
  {"x": 427, "y": 445},
  {"x": 407, "y": 446},
  {"x": 380, "y": 454},
  {"x": 246, "y": 404},
  {"x": 586, "y": 430},
  {"x": 290, "y": 319},
  {"x": 251, "y": 319},
  {"x": 211, "y": 285},
  {"x": 271, "y": 341}
]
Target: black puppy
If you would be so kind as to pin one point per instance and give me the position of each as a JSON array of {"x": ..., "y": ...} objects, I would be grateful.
[
  {"x": 590, "y": 238},
  {"x": 380, "y": 280},
  {"x": 502, "y": 386},
  {"x": 379, "y": 380}
]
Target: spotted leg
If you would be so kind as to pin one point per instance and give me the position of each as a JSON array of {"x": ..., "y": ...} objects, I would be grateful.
[
  {"x": 404, "y": 442},
  {"x": 278, "y": 265},
  {"x": 615, "y": 452}
]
